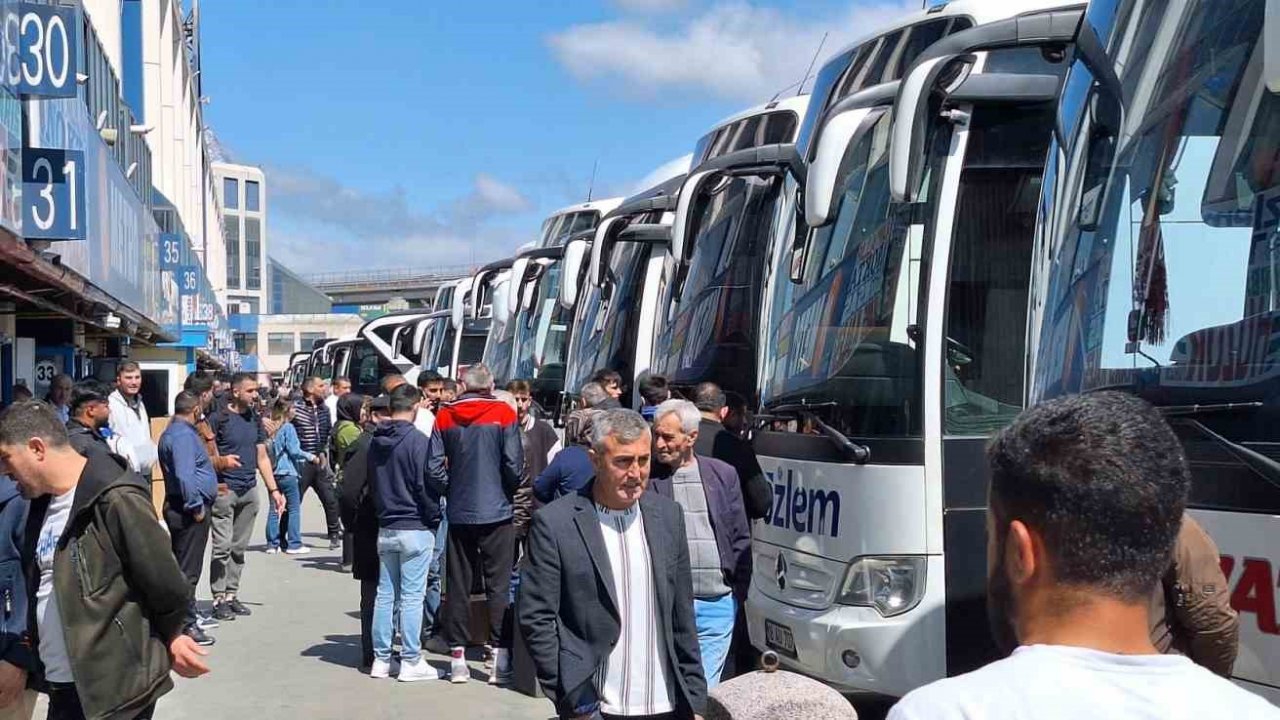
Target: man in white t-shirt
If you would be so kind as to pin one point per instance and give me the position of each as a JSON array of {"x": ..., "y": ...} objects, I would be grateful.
[
  {"x": 1086, "y": 498},
  {"x": 341, "y": 386}
]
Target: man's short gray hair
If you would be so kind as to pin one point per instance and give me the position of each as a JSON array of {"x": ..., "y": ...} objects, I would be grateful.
[
  {"x": 623, "y": 425},
  {"x": 507, "y": 398},
  {"x": 478, "y": 377},
  {"x": 686, "y": 411},
  {"x": 593, "y": 394}
]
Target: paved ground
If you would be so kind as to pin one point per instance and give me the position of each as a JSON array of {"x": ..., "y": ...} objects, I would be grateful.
[{"x": 296, "y": 656}]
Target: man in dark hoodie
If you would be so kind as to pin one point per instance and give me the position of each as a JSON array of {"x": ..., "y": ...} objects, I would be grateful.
[
  {"x": 107, "y": 601},
  {"x": 407, "y": 497},
  {"x": 90, "y": 412},
  {"x": 480, "y": 438},
  {"x": 16, "y": 658}
]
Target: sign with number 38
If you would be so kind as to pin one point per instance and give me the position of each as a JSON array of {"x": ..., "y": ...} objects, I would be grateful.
[{"x": 53, "y": 194}]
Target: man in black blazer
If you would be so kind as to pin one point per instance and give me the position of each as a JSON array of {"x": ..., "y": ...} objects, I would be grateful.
[{"x": 606, "y": 600}]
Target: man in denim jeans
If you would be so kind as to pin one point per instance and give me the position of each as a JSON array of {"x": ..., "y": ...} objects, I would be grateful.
[{"x": 407, "y": 499}]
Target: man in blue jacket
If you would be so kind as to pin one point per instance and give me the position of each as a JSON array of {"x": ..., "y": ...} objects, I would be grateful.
[
  {"x": 480, "y": 438},
  {"x": 715, "y": 525},
  {"x": 16, "y": 701},
  {"x": 406, "y": 496},
  {"x": 190, "y": 487}
]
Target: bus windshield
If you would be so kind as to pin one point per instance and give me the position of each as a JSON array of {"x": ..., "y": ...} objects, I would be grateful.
[
  {"x": 845, "y": 336},
  {"x": 1160, "y": 267},
  {"x": 709, "y": 314},
  {"x": 541, "y": 330},
  {"x": 607, "y": 317}
]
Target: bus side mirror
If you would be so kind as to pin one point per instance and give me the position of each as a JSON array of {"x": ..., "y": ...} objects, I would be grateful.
[
  {"x": 458, "y": 312},
  {"x": 1271, "y": 46},
  {"x": 840, "y": 133},
  {"x": 799, "y": 241},
  {"x": 518, "y": 271},
  {"x": 680, "y": 227},
  {"x": 911, "y": 126},
  {"x": 599, "y": 258},
  {"x": 574, "y": 253}
]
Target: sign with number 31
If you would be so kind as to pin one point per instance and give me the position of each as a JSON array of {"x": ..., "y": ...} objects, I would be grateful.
[{"x": 53, "y": 194}]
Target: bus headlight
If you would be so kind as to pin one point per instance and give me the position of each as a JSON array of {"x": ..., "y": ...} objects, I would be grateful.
[{"x": 891, "y": 585}]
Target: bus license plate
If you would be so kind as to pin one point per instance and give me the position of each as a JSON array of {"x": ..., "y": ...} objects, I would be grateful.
[{"x": 779, "y": 638}]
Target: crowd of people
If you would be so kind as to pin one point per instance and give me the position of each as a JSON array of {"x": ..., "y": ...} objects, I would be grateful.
[{"x": 618, "y": 561}]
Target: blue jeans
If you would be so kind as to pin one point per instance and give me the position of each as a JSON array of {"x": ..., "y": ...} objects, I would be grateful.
[
  {"x": 714, "y": 619},
  {"x": 288, "y": 485},
  {"x": 431, "y": 606},
  {"x": 402, "y": 580}
]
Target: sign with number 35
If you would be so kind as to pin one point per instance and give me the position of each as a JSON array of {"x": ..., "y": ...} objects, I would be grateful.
[{"x": 53, "y": 194}]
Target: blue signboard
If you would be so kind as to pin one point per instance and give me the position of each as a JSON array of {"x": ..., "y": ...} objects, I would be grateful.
[
  {"x": 53, "y": 194},
  {"x": 171, "y": 247},
  {"x": 189, "y": 279},
  {"x": 43, "y": 63}
]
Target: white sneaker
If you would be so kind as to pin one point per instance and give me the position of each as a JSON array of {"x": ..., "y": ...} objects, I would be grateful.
[
  {"x": 458, "y": 670},
  {"x": 501, "y": 674},
  {"x": 273, "y": 550},
  {"x": 420, "y": 670},
  {"x": 300, "y": 550},
  {"x": 381, "y": 669}
]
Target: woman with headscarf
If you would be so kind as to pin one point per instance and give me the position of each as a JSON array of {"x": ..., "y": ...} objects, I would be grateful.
[
  {"x": 352, "y": 418},
  {"x": 360, "y": 520},
  {"x": 571, "y": 469}
]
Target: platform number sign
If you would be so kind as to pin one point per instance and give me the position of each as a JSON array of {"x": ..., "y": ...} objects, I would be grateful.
[
  {"x": 46, "y": 371},
  {"x": 188, "y": 280},
  {"x": 38, "y": 49},
  {"x": 170, "y": 251},
  {"x": 53, "y": 194}
]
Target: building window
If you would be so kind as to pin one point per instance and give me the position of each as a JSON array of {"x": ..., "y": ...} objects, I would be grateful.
[
  {"x": 231, "y": 234},
  {"x": 280, "y": 344},
  {"x": 230, "y": 194},
  {"x": 307, "y": 340},
  {"x": 246, "y": 343},
  {"x": 251, "y": 201},
  {"x": 253, "y": 253}
]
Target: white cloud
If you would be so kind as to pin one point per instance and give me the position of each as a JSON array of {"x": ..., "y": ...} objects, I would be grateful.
[
  {"x": 321, "y": 225},
  {"x": 735, "y": 50}
]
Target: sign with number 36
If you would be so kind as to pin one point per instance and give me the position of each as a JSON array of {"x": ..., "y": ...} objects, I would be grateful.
[{"x": 53, "y": 194}]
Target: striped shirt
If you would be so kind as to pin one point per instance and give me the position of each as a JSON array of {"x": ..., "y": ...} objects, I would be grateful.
[{"x": 633, "y": 680}]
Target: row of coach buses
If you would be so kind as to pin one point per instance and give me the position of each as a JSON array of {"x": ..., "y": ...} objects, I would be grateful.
[{"x": 980, "y": 207}]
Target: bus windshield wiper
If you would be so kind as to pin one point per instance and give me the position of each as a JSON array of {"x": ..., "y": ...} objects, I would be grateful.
[
  {"x": 856, "y": 452},
  {"x": 1252, "y": 459}
]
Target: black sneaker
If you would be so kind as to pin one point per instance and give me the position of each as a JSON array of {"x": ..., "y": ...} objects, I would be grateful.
[
  {"x": 238, "y": 607},
  {"x": 202, "y": 638},
  {"x": 222, "y": 611}
]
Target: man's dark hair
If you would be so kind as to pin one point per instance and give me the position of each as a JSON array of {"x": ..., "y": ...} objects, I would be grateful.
[
  {"x": 604, "y": 376},
  {"x": 519, "y": 386},
  {"x": 708, "y": 397},
  {"x": 341, "y": 379},
  {"x": 404, "y": 398},
  {"x": 450, "y": 385},
  {"x": 186, "y": 402},
  {"x": 241, "y": 378},
  {"x": 86, "y": 392},
  {"x": 310, "y": 382},
  {"x": 393, "y": 379},
  {"x": 654, "y": 389},
  {"x": 198, "y": 383},
  {"x": 426, "y": 377},
  {"x": 24, "y": 420},
  {"x": 225, "y": 378},
  {"x": 735, "y": 401},
  {"x": 127, "y": 366},
  {"x": 1103, "y": 479}
]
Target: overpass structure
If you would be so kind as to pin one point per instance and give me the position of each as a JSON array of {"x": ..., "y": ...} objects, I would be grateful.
[{"x": 400, "y": 287}]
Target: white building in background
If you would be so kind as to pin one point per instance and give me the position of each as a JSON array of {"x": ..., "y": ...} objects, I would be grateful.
[{"x": 243, "y": 192}]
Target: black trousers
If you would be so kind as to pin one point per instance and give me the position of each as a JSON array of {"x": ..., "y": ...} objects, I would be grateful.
[
  {"x": 368, "y": 593},
  {"x": 322, "y": 479},
  {"x": 189, "y": 540},
  {"x": 489, "y": 547},
  {"x": 64, "y": 704}
]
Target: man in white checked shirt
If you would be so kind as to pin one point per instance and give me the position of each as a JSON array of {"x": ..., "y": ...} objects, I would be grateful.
[{"x": 606, "y": 599}]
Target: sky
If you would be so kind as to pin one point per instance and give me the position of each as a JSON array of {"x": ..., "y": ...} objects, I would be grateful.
[{"x": 427, "y": 134}]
